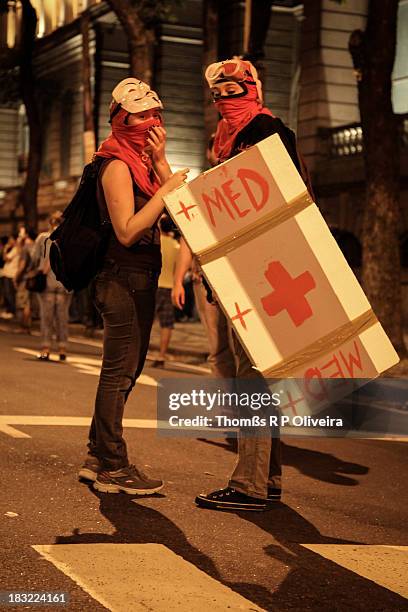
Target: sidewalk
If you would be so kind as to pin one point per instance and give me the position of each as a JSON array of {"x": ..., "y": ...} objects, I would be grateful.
[
  {"x": 188, "y": 342},
  {"x": 188, "y": 339}
]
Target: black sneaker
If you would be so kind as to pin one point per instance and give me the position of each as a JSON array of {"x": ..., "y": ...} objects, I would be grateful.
[
  {"x": 129, "y": 480},
  {"x": 90, "y": 469},
  {"x": 230, "y": 499},
  {"x": 274, "y": 494}
]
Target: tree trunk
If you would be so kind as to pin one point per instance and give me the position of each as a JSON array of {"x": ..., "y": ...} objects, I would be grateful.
[
  {"x": 210, "y": 55},
  {"x": 257, "y": 25},
  {"x": 29, "y": 190},
  {"x": 89, "y": 128},
  {"x": 374, "y": 62},
  {"x": 260, "y": 17},
  {"x": 140, "y": 40}
]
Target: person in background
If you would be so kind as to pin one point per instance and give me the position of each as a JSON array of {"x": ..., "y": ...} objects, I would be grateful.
[
  {"x": 10, "y": 257},
  {"x": 54, "y": 301},
  {"x": 3, "y": 242},
  {"x": 221, "y": 357},
  {"x": 164, "y": 305},
  {"x": 23, "y": 297}
]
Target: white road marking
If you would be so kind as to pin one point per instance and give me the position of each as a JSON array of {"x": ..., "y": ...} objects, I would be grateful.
[
  {"x": 186, "y": 366},
  {"x": 389, "y": 439},
  {"x": 12, "y": 431},
  {"x": 6, "y": 422},
  {"x": 87, "y": 365},
  {"x": 98, "y": 344},
  {"x": 142, "y": 577},
  {"x": 384, "y": 565}
]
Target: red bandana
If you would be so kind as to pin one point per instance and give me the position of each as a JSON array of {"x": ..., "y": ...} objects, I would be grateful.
[
  {"x": 127, "y": 142},
  {"x": 236, "y": 114}
]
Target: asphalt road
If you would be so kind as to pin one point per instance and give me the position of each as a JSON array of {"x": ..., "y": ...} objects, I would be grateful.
[{"x": 336, "y": 542}]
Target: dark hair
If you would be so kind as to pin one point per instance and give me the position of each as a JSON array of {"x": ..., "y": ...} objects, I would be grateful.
[
  {"x": 32, "y": 234},
  {"x": 166, "y": 224}
]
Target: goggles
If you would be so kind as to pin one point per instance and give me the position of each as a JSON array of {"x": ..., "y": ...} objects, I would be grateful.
[
  {"x": 230, "y": 70},
  {"x": 135, "y": 96}
]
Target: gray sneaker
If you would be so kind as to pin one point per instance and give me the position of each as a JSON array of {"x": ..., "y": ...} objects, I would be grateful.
[
  {"x": 90, "y": 468},
  {"x": 129, "y": 480}
]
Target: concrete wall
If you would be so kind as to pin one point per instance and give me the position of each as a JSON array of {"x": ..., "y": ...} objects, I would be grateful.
[
  {"x": 9, "y": 129},
  {"x": 328, "y": 92}
]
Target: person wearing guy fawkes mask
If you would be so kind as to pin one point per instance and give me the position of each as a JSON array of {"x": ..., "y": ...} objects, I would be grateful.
[
  {"x": 245, "y": 121},
  {"x": 133, "y": 178}
]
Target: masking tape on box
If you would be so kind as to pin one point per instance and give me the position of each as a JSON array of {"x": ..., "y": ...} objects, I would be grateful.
[
  {"x": 322, "y": 346},
  {"x": 248, "y": 233}
]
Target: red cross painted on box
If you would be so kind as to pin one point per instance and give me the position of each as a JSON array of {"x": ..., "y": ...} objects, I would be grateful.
[
  {"x": 240, "y": 314},
  {"x": 289, "y": 293},
  {"x": 184, "y": 210}
]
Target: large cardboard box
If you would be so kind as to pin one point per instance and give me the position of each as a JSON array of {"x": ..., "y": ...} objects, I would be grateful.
[{"x": 277, "y": 271}]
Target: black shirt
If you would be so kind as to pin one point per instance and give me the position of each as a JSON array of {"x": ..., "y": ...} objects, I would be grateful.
[{"x": 261, "y": 127}]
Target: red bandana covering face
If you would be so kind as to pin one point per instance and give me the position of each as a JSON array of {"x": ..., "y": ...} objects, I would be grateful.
[
  {"x": 236, "y": 114},
  {"x": 128, "y": 143}
]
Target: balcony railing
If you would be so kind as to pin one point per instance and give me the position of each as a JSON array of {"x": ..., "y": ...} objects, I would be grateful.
[{"x": 347, "y": 140}]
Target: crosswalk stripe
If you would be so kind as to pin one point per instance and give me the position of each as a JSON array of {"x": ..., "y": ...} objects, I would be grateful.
[
  {"x": 384, "y": 565},
  {"x": 142, "y": 577},
  {"x": 8, "y": 420},
  {"x": 87, "y": 365}
]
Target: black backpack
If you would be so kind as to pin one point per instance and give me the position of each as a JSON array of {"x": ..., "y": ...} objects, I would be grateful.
[{"x": 80, "y": 241}]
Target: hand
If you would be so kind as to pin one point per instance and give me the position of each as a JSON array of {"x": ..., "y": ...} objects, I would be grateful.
[
  {"x": 175, "y": 180},
  {"x": 156, "y": 141},
  {"x": 178, "y": 296}
]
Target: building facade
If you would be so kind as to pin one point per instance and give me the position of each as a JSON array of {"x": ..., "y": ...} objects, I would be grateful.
[{"x": 310, "y": 84}]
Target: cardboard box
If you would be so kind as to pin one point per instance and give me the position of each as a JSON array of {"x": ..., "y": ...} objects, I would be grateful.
[{"x": 277, "y": 271}]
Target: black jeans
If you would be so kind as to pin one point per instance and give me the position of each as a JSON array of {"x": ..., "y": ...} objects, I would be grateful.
[{"x": 125, "y": 299}]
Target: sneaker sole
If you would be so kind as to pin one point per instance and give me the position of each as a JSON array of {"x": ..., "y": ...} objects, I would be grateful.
[
  {"x": 210, "y": 505},
  {"x": 103, "y": 487},
  {"x": 87, "y": 474}
]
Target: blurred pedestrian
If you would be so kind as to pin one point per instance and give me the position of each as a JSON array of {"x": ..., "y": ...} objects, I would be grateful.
[
  {"x": 133, "y": 178},
  {"x": 23, "y": 296},
  {"x": 54, "y": 301},
  {"x": 3, "y": 242},
  {"x": 164, "y": 305},
  {"x": 10, "y": 257}
]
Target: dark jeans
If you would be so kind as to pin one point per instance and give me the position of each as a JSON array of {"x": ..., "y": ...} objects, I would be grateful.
[
  {"x": 126, "y": 301},
  {"x": 9, "y": 294},
  {"x": 259, "y": 462}
]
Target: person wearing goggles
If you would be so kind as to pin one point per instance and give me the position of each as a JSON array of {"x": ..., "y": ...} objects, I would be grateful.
[
  {"x": 133, "y": 177},
  {"x": 245, "y": 121}
]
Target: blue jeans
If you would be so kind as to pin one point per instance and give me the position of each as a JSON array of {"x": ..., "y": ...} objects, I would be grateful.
[
  {"x": 54, "y": 307},
  {"x": 125, "y": 299}
]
